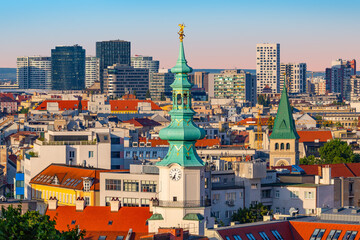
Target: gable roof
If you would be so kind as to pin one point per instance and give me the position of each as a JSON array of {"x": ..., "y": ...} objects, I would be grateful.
[
  {"x": 311, "y": 136},
  {"x": 95, "y": 220},
  {"x": 64, "y": 105},
  {"x": 284, "y": 126},
  {"x": 69, "y": 176},
  {"x": 130, "y": 105}
]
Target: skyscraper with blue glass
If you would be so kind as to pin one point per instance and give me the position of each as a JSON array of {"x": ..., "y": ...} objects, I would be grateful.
[{"x": 68, "y": 68}]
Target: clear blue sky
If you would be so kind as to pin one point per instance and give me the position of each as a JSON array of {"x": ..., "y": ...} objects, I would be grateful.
[{"x": 219, "y": 34}]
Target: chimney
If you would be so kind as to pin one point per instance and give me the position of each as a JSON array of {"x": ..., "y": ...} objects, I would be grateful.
[
  {"x": 320, "y": 170},
  {"x": 115, "y": 204},
  {"x": 80, "y": 204},
  {"x": 52, "y": 203}
]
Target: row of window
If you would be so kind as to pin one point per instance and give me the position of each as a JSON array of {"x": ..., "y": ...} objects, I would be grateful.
[
  {"x": 282, "y": 146},
  {"x": 295, "y": 194},
  {"x": 263, "y": 235},
  {"x": 333, "y": 235},
  {"x": 130, "y": 185},
  {"x": 141, "y": 154},
  {"x": 61, "y": 197},
  {"x": 130, "y": 202}
]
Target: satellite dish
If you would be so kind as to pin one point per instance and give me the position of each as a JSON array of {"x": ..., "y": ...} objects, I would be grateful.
[{"x": 293, "y": 212}]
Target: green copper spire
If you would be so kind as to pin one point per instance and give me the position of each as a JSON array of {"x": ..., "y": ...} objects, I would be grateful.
[
  {"x": 182, "y": 132},
  {"x": 284, "y": 126}
]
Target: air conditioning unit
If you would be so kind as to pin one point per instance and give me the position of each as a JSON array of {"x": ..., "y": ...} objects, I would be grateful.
[
  {"x": 230, "y": 202},
  {"x": 214, "y": 201}
]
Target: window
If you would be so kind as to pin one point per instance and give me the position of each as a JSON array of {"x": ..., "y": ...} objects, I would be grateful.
[
  {"x": 277, "y": 193},
  {"x": 309, "y": 195},
  {"x": 113, "y": 184},
  {"x": 216, "y": 214},
  {"x": 254, "y": 186},
  {"x": 288, "y": 146},
  {"x": 230, "y": 196},
  {"x": 73, "y": 222},
  {"x": 115, "y": 140},
  {"x": 87, "y": 201},
  {"x": 237, "y": 237},
  {"x": 350, "y": 235},
  {"x": 115, "y": 154},
  {"x": 228, "y": 214},
  {"x": 294, "y": 194},
  {"x": 276, "y": 146},
  {"x": 144, "y": 202},
  {"x": 19, "y": 183},
  {"x": 148, "y": 186},
  {"x": 71, "y": 154},
  {"x": 264, "y": 236},
  {"x": 131, "y": 202},
  {"x": 277, "y": 235},
  {"x": 282, "y": 146},
  {"x": 87, "y": 185},
  {"x": 102, "y": 238},
  {"x": 266, "y": 193},
  {"x": 119, "y": 238},
  {"x": 317, "y": 234},
  {"x": 131, "y": 186},
  {"x": 250, "y": 236},
  {"x": 91, "y": 154}
]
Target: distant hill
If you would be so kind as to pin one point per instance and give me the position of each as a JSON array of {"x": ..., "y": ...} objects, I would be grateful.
[{"x": 8, "y": 74}]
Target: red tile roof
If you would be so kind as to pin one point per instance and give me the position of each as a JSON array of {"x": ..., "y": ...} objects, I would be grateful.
[
  {"x": 64, "y": 105},
  {"x": 130, "y": 105},
  {"x": 311, "y": 136},
  {"x": 69, "y": 176},
  {"x": 282, "y": 227},
  {"x": 95, "y": 220},
  {"x": 254, "y": 121}
]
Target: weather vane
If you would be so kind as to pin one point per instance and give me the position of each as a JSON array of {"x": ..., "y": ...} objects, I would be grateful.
[{"x": 181, "y": 32}]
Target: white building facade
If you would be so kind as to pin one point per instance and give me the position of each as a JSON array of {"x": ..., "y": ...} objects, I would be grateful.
[
  {"x": 295, "y": 74},
  {"x": 139, "y": 61},
  {"x": 92, "y": 70},
  {"x": 34, "y": 72}
]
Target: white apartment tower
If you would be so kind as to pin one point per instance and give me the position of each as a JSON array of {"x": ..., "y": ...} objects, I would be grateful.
[
  {"x": 34, "y": 72},
  {"x": 268, "y": 66},
  {"x": 139, "y": 61},
  {"x": 92, "y": 70},
  {"x": 295, "y": 74}
]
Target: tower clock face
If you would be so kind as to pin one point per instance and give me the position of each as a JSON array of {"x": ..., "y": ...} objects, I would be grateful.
[{"x": 175, "y": 174}]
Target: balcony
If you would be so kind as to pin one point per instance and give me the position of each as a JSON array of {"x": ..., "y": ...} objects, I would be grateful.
[
  {"x": 182, "y": 204},
  {"x": 39, "y": 142}
]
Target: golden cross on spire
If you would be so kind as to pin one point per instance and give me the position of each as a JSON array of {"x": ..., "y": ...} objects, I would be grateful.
[{"x": 181, "y": 32}]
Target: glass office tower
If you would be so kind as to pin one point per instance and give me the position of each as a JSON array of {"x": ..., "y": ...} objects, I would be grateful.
[{"x": 68, "y": 68}]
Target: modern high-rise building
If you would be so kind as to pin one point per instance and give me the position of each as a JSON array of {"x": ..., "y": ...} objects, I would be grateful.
[
  {"x": 68, "y": 68},
  {"x": 355, "y": 88},
  {"x": 295, "y": 74},
  {"x": 201, "y": 80},
  {"x": 92, "y": 70},
  {"x": 110, "y": 53},
  {"x": 120, "y": 79},
  {"x": 338, "y": 77},
  {"x": 33, "y": 72},
  {"x": 139, "y": 61},
  {"x": 235, "y": 84},
  {"x": 159, "y": 84},
  {"x": 268, "y": 67}
]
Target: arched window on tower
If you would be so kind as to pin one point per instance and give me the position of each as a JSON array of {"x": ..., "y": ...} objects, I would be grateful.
[
  {"x": 178, "y": 96},
  {"x": 288, "y": 146},
  {"x": 185, "y": 100},
  {"x": 276, "y": 146},
  {"x": 282, "y": 146}
]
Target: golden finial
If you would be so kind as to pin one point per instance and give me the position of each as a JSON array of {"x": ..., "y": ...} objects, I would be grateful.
[{"x": 181, "y": 32}]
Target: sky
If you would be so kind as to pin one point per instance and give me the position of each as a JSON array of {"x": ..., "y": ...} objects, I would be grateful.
[{"x": 219, "y": 34}]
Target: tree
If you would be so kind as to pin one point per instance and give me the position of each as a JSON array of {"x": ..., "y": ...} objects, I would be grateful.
[
  {"x": 24, "y": 110},
  {"x": 262, "y": 101},
  {"x": 32, "y": 225},
  {"x": 310, "y": 160},
  {"x": 270, "y": 123},
  {"x": 337, "y": 151},
  {"x": 163, "y": 98},
  {"x": 148, "y": 95},
  {"x": 253, "y": 214}
]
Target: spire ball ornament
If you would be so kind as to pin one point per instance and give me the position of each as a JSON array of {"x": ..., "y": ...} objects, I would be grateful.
[{"x": 181, "y": 32}]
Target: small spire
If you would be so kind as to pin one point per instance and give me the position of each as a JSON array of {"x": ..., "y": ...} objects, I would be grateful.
[{"x": 181, "y": 64}]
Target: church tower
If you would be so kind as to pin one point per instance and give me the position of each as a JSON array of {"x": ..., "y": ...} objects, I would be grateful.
[
  {"x": 181, "y": 201},
  {"x": 284, "y": 140}
]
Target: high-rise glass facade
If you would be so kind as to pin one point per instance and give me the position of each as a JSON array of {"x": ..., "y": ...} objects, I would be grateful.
[
  {"x": 68, "y": 68},
  {"x": 110, "y": 53},
  {"x": 34, "y": 72}
]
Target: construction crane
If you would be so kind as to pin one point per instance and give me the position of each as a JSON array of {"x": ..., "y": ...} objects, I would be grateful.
[{"x": 259, "y": 133}]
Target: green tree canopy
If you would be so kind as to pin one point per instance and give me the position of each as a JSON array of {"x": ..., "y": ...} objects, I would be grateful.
[
  {"x": 163, "y": 98},
  {"x": 263, "y": 101},
  {"x": 337, "y": 151},
  {"x": 253, "y": 214},
  {"x": 310, "y": 160},
  {"x": 148, "y": 95},
  {"x": 32, "y": 225}
]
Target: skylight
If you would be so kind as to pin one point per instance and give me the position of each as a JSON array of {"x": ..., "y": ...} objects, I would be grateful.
[
  {"x": 73, "y": 222},
  {"x": 237, "y": 237},
  {"x": 110, "y": 222},
  {"x": 250, "y": 236},
  {"x": 317, "y": 234},
  {"x": 350, "y": 235},
  {"x": 277, "y": 235},
  {"x": 334, "y": 235},
  {"x": 264, "y": 236}
]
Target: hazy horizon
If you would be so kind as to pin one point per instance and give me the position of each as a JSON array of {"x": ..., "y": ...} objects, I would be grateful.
[{"x": 219, "y": 35}]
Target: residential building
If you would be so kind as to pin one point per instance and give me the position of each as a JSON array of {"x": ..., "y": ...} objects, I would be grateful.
[
  {"x": 284, "y": 140},
  {"x": 311, "y": 141},
  {"x": 92, "y": 70},
  {"x": 121, "y": 79},
  {"x": 355, "y": 88},
  {"x": 139, "y": 61},
  {"x": 110, "y": 53},
  {"x": 8, "y": 105},
  {"x": 319, "y": 86},
  {"x": 159, "y": 84},
  {"x": 235, "y": 84},
  {"x": 33, "y": 72},
  {"x": 68, "y": 68},
  {"x": 295, "y": 77},
  {"x": 268, "y": 67},
  {"x": 66, "y": 184},
  {"x": 338, "y": 77},
  {"x": 201, "y": 80}
]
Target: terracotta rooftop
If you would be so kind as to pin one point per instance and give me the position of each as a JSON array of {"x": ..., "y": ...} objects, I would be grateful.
[
  {"x": 130, "y": 105},
  {"x": 100, "y": 221},
  {"x": 312, "y": 136},
  {"x": 254, "y": 121},
  {"x": 64, "y": 105}
]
